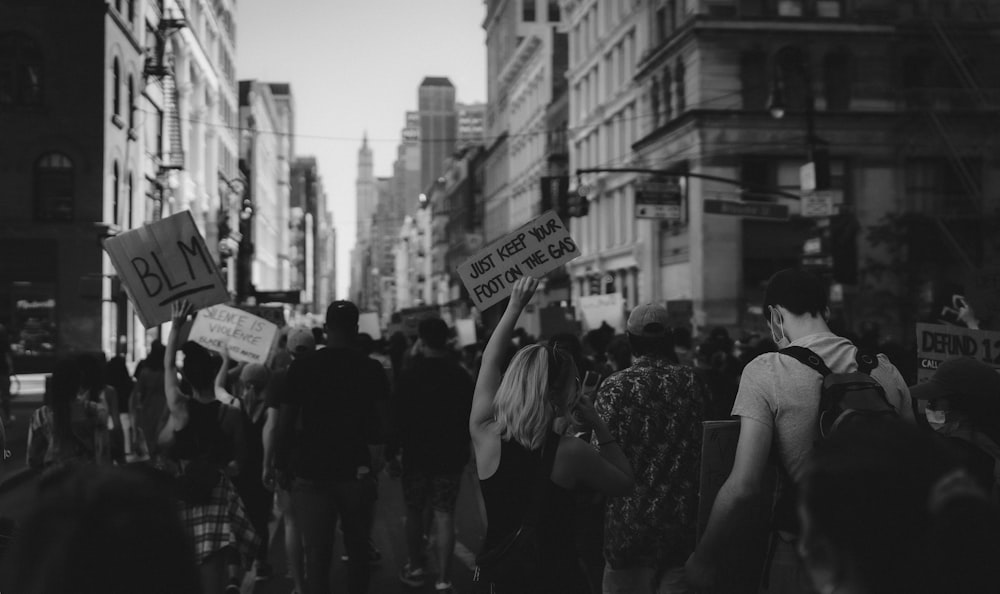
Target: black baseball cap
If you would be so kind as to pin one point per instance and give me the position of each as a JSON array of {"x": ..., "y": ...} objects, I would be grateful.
[{"x": 342, "y": 315}]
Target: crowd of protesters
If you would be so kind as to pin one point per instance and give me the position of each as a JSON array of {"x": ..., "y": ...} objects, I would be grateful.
[{"x": 589, "y": 447}]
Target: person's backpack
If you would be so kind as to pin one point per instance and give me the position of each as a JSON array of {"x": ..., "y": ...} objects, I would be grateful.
[{"x": 845, "y": 397}]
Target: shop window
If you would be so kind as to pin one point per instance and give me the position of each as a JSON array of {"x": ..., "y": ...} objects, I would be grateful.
[
  {"x": 837, "y": 81},
  {"x": 20, "y": 71},
  {"x": 54, "y": 187},
  {"x": 33, "y": 331},
  {"x": 754, "y": 80}
]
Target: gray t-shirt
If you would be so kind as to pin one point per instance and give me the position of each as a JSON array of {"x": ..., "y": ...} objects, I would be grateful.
[{"x": 783, "y": 394}]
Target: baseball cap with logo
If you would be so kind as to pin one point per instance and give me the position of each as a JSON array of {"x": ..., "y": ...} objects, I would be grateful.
[
  {"x": 649, "y": 320},
  {"x": 300, "y": 340},
  {"x": 970, "y": 385}
]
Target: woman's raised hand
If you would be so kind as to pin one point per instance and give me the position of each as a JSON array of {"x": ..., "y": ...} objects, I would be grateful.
[
  {"x": 180, "y": 310},
  {"x": 523, "y": 289}
]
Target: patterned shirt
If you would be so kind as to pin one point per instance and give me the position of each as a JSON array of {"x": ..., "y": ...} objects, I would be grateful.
[{"x": 654, "y": 409}]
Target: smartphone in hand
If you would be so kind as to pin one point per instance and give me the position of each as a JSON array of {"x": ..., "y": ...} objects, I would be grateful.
[{"x": 590, "y": 381}]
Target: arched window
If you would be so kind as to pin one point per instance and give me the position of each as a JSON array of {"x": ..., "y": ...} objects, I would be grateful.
[
  {"x": 837, "y": 81},
  {"x": 116, "y": 91},
  {"x": 753, "y": 79},
  {"x": 54, "y": 185},
  {"x": 792, "y": 77},
  {"x": 20, "y": 71},
  {"x": 131, "y": 102},
  {"x": 129, "y": 187},
  {"x": 115, "y": 193}
]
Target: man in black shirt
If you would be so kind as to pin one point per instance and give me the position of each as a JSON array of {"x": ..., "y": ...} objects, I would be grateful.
[
  {"x": 331, "y": 395},
  {"x": 434, "y": 400}
]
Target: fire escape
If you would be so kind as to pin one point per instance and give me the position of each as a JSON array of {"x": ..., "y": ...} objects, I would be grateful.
[
  {"x": 159, "y": 66},
  {"x": 957, "y": 43}
]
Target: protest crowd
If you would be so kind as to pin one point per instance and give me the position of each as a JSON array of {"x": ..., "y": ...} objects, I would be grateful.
[{"x": 847, "y": 476}]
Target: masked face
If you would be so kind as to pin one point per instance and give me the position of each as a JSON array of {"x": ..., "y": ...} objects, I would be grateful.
[
  {"x": 775, "y": 324},
  {"x": 936, "y": 418}
]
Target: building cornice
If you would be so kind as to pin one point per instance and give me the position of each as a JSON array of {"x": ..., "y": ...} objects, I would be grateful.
[{"x": 521, "y": 58}]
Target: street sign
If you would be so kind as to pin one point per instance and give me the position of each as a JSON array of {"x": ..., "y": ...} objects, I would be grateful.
[
  {"x": 659, "y": 198},
  {"x": 758, "y": 210},
  {"x": 818, "y": 204}
]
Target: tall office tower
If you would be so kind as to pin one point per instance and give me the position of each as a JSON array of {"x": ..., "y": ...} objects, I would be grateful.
[{"x": 438, "y": 126}]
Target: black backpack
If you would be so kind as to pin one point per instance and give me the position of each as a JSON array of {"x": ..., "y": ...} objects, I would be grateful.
[{"x": 845, "y": 397}]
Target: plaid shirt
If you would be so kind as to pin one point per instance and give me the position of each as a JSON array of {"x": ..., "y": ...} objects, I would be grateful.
[
  {"x": 654, "y": 409},
  {"x": 221, "y": 522}
]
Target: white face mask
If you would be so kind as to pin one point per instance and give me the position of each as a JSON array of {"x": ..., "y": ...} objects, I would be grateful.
[
  {"x": 782, "y": 341},
  {"x": 936, "y": 418}
]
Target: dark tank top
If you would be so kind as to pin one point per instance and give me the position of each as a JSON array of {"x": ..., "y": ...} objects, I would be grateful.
[
  {"x": 202, "y": 437},
  {"x": 506, "y": 495}
]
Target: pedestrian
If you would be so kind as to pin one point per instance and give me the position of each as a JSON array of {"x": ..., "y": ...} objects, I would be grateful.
[
  {"x": 117, "y": 376},
  {"x": 67, "y": 427},
  {"x": 300, "y": 343},
  {"x": 655, "y": 409},
  {"x": 249, "y": 482},
  {"x": 514, "y": 413},
  {"x": 884, "y": 509},
  {"x": 963, "y": 405},
  {"x": 332, "y": 394},
  {"x": 100, "y": 531},
  {"x": 778, "y": 403},
  {"x": 6, "y": 372},
  {"x": 206, "y": 439},
  {"x": 94, "y": 388},
  {"x": 434, "y": 399},
  {"x": 148, "y": 404}
]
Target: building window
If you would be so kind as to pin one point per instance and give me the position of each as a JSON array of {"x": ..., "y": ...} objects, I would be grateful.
[
  {"x": 528, "y": 11},
  {"x": 115, "y": 194},
  {"x": 679, "y": 86},
  {"x": 118, "y": 6},
  {"x": 791, "y": 65},
  {"x": 668, "y": 104},
  {"x": 20, "y": 71},
  {"x": 131, "y": 102},
  {"x": 130, "y": 204},
  {"x": 753, "y": 79},
  {"x": 54, "y": 188},
  {"x": 837, "y": 81},
  {"x": 131, "y": 11},
  {"x": 554, "y": 15},
  {"x": 661, "y": 24},
  {"x": 790, "y": 8},
  {"x": 116, "y": 91},
  {"x": 829, "y": 9}
]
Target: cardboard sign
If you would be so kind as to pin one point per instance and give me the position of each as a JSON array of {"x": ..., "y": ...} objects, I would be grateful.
[
  {"x": 466, "y": 330},
  {"x": 272, "y": 313},
  {"x": 249, "y": 338},
  {"x": 368, "y": 324},
  {"x": 937, "y": 343},
  {"x": 533, "y": 249},
  {"x": 598, "y": 309},
  {"x": 163, "y": 262}
]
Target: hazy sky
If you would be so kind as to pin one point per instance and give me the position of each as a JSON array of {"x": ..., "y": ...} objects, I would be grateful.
[{"x": 355, "y": 66}]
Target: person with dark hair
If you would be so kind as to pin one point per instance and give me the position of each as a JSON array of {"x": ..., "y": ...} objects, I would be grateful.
[
  {"x": 94, "y": 388},
  {"x": 148, "y": 404},
  {"x": 655, "y": 408},
  {"x": 69, "y": 426},
  {"x": 206, "y": 439},
  {"x": 100, "y": 531},
  {"x": 434, "y": 399},
  {"x": 117, "y": 376},
  {"x": 619, "y": 355},
  {"x": 332, "y": 394},
  {"x": 517, "y": 415},
  {"x": 883, "y": 508},
  {"x": 778, "y": 403}
]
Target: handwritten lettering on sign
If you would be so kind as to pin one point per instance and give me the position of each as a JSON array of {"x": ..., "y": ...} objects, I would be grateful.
[
  {"x": 165, "y": 261},
  {"x": 535, "y": 249},
  {"x": 937, "y": 343},
  {"x": 247, "y": 337}
]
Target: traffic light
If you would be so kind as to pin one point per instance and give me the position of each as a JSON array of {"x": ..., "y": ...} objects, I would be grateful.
[
  {"x": 579, "y": 206},
  {"x": 555, "y": 191}
]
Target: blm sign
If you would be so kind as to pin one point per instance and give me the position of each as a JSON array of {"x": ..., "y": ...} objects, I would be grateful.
[
  {"x": 534, "y": 249},
  {"x": 163, "y": 262}
]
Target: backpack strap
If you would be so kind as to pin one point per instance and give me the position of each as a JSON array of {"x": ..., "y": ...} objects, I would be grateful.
[
  {"x": 867, "y": 360},
  {"x": 808, "y": 358},
  {"x": 540, "y": 488}
]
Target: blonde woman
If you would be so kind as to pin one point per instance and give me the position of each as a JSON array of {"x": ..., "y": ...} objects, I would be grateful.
[{"x": 513, "y": 413}]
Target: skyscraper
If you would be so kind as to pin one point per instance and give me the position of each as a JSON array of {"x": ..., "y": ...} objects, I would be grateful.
[
  {"x": 365, "y": 191},
  {"x": 438, "y": 126}
]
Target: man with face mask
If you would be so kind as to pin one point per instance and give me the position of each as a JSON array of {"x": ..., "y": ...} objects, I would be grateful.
[
  {"x": 963, "y": 405},
  {"x": 778, "y": 403}
]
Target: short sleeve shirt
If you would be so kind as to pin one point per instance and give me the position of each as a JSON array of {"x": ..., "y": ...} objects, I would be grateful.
[
  {"x": 654, "y": 409},
  {"x": 783, "y": 394}
]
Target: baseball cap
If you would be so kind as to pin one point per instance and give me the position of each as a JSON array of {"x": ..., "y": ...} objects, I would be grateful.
[
  {"x": 300, "y": 340},
  {"x": 255, "y": 374},
  {"x": 342, "y": 315},
  {"x": 649, "y": 320},
  {"x": 971, "y": 385}
]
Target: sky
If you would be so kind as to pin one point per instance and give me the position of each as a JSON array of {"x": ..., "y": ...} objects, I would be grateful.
[{"x": 355, "y": 67}]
